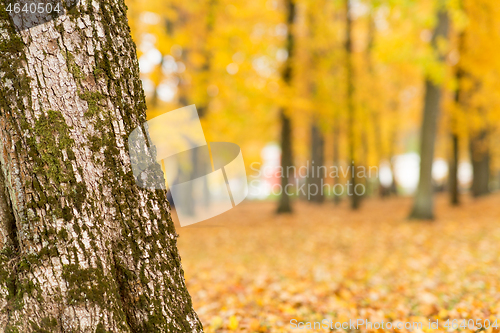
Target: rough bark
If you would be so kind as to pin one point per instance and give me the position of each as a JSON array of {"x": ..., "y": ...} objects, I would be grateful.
[
  {"x": 284, "y": 205},
  {"x": 423, "y": 207},
  {"x": 83, "y": 248}
]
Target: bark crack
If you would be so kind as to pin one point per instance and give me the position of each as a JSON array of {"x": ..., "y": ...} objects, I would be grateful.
[
  {"x": 10, "y": 246},
  {"x": 122, "y": 287},
  {"x": 8, "y": 217}
]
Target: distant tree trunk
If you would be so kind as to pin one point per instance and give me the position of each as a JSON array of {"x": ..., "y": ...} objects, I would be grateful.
[
  {"x": 199, "y": 162},
  {"x": 316, "y": 174},
  {"x": 83, "y": 248},
  {"x": 454, "y": 194},
  {"x": 207, "y": 66},
  {"x": 202, "y": 104},
  {"x": 355, "y": 199},
  {"x": 392, "y": 149},
  {"x": 374, "y": 113},
  {"x": 286, "y": 161},
  {"x": 336, "y": 150},
  {"x": 336, "y": 158},
  {"x": 369, "y": 112},
  {"x": 317, "y": 171},
  {"x": 286, "y": 123},
  {"x": 480, "y": 156},
  {"x": 453, "y": 173},
  {"x": 394, "y": 184},
  {"x": 423, "y": 207}
]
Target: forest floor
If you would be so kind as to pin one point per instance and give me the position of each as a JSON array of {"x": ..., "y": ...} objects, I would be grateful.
[{"x": 250, "y": 270}]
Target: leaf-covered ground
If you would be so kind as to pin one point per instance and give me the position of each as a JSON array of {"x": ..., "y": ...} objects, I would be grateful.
[{"x": 252, "y": 271}]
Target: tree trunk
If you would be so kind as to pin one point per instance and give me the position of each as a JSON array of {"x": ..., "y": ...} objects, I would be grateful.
[
  {"x": 454, "y": 195},
  {"x": 480, "y": 156},
  {"x": 455, "y": 140},
  {"x": 207, "y": 65},
  {"x": 83, "y": 248},
  {"x": 286, "y": 161},
  {"x": 355, "y": 199},
  {"x": 393, "y": 189},
  {"x": 316, "y": 174},
  {"x": 284, "y": 205},
  {"x": 336, "y": 157},
  {"x": 423, "y": 207},
  {"x": 317, "y": 168},
  {"x": 394, "y": 185}
]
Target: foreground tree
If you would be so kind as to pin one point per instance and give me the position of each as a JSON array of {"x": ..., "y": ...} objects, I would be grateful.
[
  {"x": 83, "y": 248},
  {"x": 423, "y": 207}
]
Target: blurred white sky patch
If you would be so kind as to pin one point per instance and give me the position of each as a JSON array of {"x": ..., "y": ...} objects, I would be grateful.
[
  {"x": 263, "y": 66},
  {"x": 150, "y": 18},
  {"x": 167, "y": 90},
  {"x": 407, "y": 171},
  {"x": 381, "y": 15},
  {"x": 169, "y": 65},
  {"x": 149, "y": 60},
  {"x": 232, "y": 68},
  {"x": 147, "y": 42},
  {"x": 385, "y": 174},
  {"x": 281, "y": 29},
  {"x": 464, "y": 173},
  {"x": 358, "y": 9},
  {"x": 281, "y": 55},
  {"x": 260, "y": 189},
  {"x": 148, "y": 86},
  {"x": 439, "y": 170}
]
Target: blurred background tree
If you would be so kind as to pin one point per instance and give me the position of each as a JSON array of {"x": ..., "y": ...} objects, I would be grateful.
[{"x": 341, "y": 83}]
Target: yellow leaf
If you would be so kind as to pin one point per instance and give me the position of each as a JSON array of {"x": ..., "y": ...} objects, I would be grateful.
[
  {"x": 216, "y": 323},
  {"x": 443, "y": 313},
  {"x": 233, "y": 323},
  {"x": 255, "y": 325}
]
